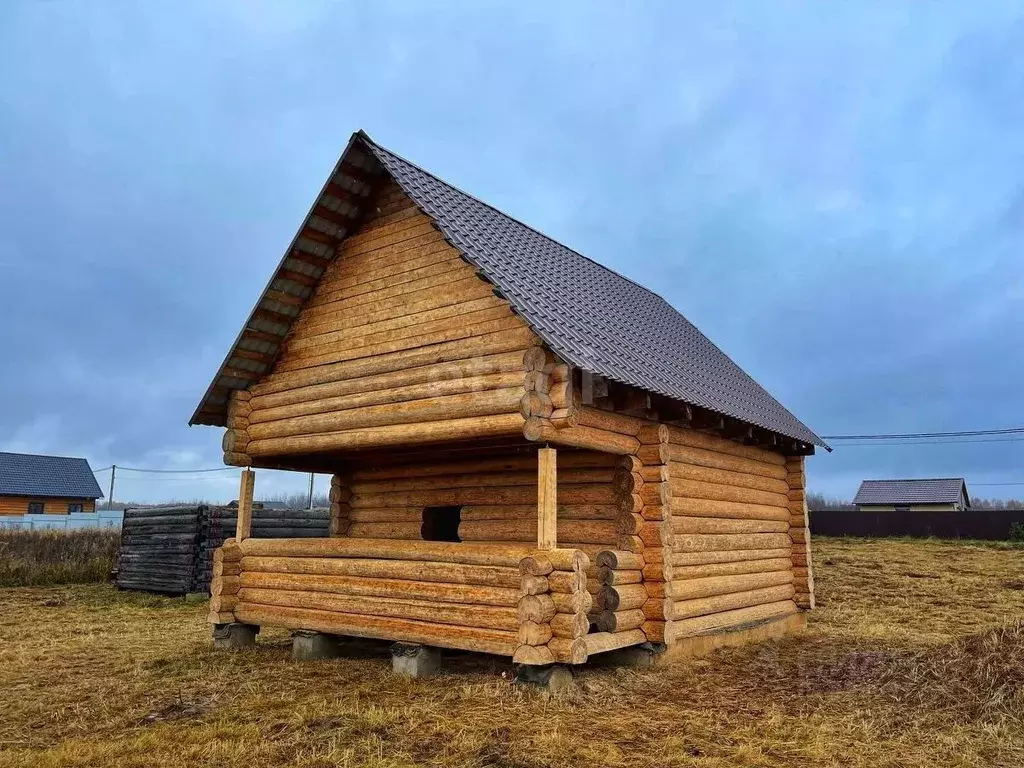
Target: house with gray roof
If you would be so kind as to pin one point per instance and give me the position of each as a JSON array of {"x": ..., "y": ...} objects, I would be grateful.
[
  {"x": 926, "y": 495},
  {"x": 46, "y": 485},
  {"x": 483, "y": 396}
]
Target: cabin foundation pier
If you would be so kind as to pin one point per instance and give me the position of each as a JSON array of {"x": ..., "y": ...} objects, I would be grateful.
[
  {"x": 411, "y": 660},
  {"x": 313, "y": 646},
  {"x": 640, "y": 656},
  {"x": 556, "y": 678},
  {"x": 234, "y": 636}
]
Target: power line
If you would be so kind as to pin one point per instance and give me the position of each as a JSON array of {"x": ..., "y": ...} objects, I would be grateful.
[
  {"x": 167, "y": 471},
  {"x": 915, "y": 435},
  {"x": 883, "y": 444},
  {"x": 178, "y": 471}
]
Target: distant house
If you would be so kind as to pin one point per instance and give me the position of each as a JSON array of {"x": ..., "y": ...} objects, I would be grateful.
[
  {"x": 932, "y": 495},
  {"x": 55, "y": 485}
]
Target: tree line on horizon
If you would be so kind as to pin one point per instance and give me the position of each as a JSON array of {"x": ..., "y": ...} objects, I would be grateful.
[
  {"x": 291, "y": 500},
  {"x": 819, "y": 501}
]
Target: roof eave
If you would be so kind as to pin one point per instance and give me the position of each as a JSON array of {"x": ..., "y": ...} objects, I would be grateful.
[{"x": 220, "y": 419}]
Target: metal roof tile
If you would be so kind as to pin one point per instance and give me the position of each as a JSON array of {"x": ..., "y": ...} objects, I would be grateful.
[
  {"x": 941, "y": 490},
  {"x": 595, "y": 318},
  {"x": 24, "y": 474}
]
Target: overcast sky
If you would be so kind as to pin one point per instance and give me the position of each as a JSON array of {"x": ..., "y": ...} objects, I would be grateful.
[{"x": 832, "y": 192}]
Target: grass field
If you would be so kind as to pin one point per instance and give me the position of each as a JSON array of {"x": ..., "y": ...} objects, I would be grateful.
[
  {"x": 41, "y": 558},
  {"x": 915, "y": 658}
]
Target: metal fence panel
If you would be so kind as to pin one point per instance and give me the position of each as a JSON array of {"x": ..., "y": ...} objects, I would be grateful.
[{"x": 988, "y": 524}]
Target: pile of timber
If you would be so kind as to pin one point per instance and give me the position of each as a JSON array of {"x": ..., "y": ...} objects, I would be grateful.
[
  {"x": 553, "y": 608},
  {"x": 451, "y": 595},
  {"x": 728, "y": 561},
  {"x": 170, "y": 550},
  {"x": 158, "y": 549},
  {"x": 219, "y": 524}
]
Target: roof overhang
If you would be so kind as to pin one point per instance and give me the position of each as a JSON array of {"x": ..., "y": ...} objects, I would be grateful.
[{"x": 335, "y": 213}]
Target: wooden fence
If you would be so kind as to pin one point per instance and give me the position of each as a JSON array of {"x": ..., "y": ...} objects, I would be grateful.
[{"x": 990, "y": 524}]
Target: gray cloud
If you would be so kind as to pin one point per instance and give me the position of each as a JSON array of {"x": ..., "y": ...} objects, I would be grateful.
[{"x": 831, "y": 194}]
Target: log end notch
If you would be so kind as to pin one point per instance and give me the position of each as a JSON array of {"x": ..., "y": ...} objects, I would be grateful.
[{"x": 552, "y": 611}]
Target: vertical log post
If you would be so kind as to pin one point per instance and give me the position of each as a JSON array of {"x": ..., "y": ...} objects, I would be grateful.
[
  {"x": 243, "y": 529},
  {"x": 547, "y": 501}
]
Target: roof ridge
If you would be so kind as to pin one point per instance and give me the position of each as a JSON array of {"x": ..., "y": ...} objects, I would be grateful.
[
  {"x": 909, "y": 479},
  {"x": 42, "y": 455},
  {"x": 363, "y": 135}
]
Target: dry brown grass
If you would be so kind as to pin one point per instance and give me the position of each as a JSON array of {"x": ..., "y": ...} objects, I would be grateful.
[
  {"x": 914, "y": 659},
  {"x": 37, "y": 558}
]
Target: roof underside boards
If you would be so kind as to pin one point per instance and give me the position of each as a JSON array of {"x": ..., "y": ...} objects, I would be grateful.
[
  {"x": 335, "y": 214},
  {"x": 23, "y": 474},
  {"x": 592, "y": 317},
  {"x": 946, "y": 490}
]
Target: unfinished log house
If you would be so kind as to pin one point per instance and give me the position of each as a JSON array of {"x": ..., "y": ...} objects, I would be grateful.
[{"x": 532, "y": 456}]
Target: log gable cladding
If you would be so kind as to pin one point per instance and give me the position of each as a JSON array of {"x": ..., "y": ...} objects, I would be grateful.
[
  {"x": 439, "y": 237},
  {"x": 400, "y": 342}
]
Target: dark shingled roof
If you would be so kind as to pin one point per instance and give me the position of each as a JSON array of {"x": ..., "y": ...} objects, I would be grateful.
[
  {"x": 591, "y": 316},
  {"x": 594, "y": 318},
  {"x": 944, "y": 490},
  {"x": 23, "y": 474}
]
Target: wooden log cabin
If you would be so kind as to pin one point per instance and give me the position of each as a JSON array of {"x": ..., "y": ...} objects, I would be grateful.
[
  {"x": 46, "y": 485},
  {"x": 531, "y": 455}
]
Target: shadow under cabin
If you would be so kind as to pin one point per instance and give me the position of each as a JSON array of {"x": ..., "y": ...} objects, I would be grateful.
[{"x": 531, "y": 456}]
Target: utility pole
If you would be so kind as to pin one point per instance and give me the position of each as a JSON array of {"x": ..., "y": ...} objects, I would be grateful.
[
  {"x": 310, "y": 491},
  {"x": 110, "y": 496}
]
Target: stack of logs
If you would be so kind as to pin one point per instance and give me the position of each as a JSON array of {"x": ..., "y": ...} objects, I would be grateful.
[
  {"x": 159, "y": 548},
  {"x": 227, "y": 569},
  {"x": 553, "y": 609}
]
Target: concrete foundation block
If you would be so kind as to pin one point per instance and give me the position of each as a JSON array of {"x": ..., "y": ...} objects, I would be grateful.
[
  {"x": 312, "y": 646},
  {"x": 415, "y": 660},
  {"x": 556, "y": 678},
  {"x": 232, "y": 636},
  {"x": 642, "y": 656}
]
